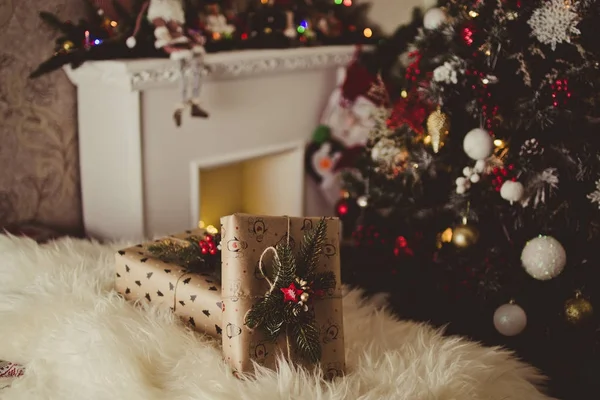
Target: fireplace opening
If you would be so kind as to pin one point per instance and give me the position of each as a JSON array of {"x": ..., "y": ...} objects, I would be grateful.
[{"x": 269, "y": 183}]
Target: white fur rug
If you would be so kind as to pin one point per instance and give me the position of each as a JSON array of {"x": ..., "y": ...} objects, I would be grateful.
[{"x": 78, "y": 340}]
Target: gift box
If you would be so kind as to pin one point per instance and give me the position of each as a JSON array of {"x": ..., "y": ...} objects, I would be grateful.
[
  {"x": 247, "y": 282},
  {"x": 173, "y": 272}
]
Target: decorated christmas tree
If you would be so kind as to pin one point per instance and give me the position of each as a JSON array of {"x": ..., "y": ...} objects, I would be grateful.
[{"x": 478, "y": 193}]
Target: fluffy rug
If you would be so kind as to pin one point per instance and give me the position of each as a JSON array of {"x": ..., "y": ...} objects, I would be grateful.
[{"x": 60, "y": 318}]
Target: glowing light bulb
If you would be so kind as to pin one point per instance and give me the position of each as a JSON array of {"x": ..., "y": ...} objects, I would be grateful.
[
  {"x": 473, "y": 14},
  {"x": 201, "y": 224},
  {"x": 113, "y": 23},
  {"x": 368, "y": 32},
  {"x": 338, "y": 2},
  {"x": 347, "y": 3},
  {"x": 301, "y": 29},
  {"x": 212, "y": 230},
  {"x": 404, "y": 94},
  {"x": 499, "y": 143},
  {"x": 264, "y": 1},
  {"x": 216, "y": 35}
]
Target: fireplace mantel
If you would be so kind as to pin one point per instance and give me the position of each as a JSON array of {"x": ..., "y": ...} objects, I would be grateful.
[
  {"x": 143, "y": 74},
  {"x": 140, "y": 175}
]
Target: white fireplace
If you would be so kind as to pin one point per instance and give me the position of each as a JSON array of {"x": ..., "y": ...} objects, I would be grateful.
[{"x": 141, "y": 176}]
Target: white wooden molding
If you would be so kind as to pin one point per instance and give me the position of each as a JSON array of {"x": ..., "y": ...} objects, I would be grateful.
[{"x": 141, "y": 74}]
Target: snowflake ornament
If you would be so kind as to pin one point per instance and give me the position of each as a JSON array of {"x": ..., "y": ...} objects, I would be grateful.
[
  {"x": 594, "y": 197},
  {"x": 540, "y": 186},
  {"x": 554, "y": 22}
]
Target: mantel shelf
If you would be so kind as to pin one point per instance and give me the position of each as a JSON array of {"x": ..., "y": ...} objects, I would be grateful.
[{"x": 141, "y": 74}]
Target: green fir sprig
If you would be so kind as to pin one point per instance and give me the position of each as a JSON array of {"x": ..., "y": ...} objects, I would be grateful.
[
  {"x": 192, "y": 253},
  {"x": 295, "y": 284}
]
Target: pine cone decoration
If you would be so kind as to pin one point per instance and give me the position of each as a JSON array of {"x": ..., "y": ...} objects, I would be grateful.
[{"x": 531, "y": 147}]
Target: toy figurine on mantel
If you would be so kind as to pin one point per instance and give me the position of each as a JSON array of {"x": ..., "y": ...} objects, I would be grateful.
[
  {"x": 168, "y": 19},
  {"x": 219, "y": 32}
]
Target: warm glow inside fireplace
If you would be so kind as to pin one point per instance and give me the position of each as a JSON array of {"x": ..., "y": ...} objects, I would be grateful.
[{"x": 268, "y": 182}]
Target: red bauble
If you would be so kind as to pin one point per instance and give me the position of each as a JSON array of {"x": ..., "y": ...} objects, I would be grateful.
[{"x": 342, "y": 208}]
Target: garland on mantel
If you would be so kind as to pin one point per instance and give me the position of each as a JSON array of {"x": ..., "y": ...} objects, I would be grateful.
[{"x": 107, "y": 31}]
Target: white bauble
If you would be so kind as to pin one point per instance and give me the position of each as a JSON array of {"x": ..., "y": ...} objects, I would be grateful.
[
  {"x": 434, "y": 18},
  {"x": 478, "y": 144},
  {"x": 544, "y": 258},
  {"x": 512, "y": 191},
  {"x": 475, "y": 178},
  {"x": 467, "y": 171},
  {"x": 510, "y": 319}
]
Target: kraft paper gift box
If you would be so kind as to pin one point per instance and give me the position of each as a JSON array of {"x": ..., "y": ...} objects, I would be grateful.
[
  {"x": 244, "y": 238},
  {"x": 195, "y": 296}
]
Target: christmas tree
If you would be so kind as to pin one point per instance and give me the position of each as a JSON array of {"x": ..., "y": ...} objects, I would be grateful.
[{"x": 478, "y": 194}]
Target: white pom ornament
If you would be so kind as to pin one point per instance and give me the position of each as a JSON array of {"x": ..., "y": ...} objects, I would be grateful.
[
  {"x": 478, "y": 144},
  {"x": 434, "y": 18},
  {"x": 512, "y": 191},
  {"x": 510, "y": 319},
  {"x": 544, "y": 258},
  {"x": 131, "y": 42}
]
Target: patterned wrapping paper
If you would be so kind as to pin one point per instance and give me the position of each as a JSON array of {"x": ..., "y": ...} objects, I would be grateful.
[
  {"x": 195, "y": 297},
  {"x": 244, "y": 238}
]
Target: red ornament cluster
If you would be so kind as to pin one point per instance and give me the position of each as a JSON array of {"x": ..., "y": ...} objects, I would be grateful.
[
  {"x": 503, "y": 174},
  {"x": 414, "y": 70},
  {"x": 369, "y": 236},
  {"x": 484, "y": 98},
  {"x": 401, "y": 247},
  {"x": 560, "y": 92},
  {"x": 467, "y": 35},
  {"x": 208, "y": 245}
]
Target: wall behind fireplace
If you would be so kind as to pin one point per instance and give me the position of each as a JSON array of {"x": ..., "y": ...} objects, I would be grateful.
[{"x": 39, "y": 178}]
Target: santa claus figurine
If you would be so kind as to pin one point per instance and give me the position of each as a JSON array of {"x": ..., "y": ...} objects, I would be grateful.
[
  {"x": 168, "y": 19},
  {"x": 216, "y": 22}
]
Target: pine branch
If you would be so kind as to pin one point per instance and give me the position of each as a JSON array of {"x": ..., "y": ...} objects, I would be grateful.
[
  {"x": 54, "y": 22},
  {"x": 284, "y": 266},
  {"x": 263, "y": 311},
  {"x": 307, "y": 340},
  {"x": 311, "y": 248},
  {"x": 189, "y": 255}
]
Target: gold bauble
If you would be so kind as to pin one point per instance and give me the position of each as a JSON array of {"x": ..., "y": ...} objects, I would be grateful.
[
  {"x": 68, "y": 45},
  {"x": 578, "y": 310},
  {"x": 465, "y": 236},
  {"x": 438, "y": 127}
]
